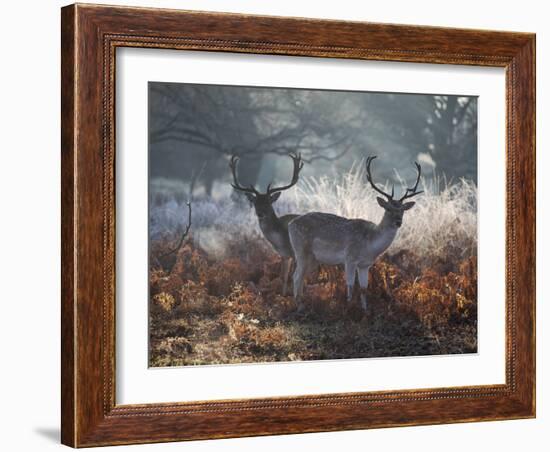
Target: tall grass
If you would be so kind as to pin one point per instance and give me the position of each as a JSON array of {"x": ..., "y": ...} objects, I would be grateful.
[{"x": 444, "y": 217}]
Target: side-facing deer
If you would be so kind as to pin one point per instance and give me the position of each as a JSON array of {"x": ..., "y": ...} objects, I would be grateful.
[
  {"x": 274, "y": 228},
  {"x": 330, "y": 239}
]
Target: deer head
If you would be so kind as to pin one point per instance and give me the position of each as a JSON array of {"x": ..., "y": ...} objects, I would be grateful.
[
  {"x": 263, "y": 201},
  {"x": 394, "y": 207}
]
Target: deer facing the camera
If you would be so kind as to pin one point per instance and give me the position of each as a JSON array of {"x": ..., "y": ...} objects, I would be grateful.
[
  {"x": 330, "y": 239},
  {"x": 274, "y": 228}
]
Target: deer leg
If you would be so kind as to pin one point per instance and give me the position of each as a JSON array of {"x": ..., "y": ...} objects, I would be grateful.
[
  {"x": 287, "y": 264},
  {"x": 299, "y": 274},
  {"x": 363, "y": 274},
  {"x": 350, "y": 270}
]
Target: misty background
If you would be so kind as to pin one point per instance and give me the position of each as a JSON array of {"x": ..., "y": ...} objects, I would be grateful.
[{"x": 194, "y": 129}]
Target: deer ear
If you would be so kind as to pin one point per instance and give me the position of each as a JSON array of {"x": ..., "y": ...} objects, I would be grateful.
[
  {"x": 408, "y": 205},
  {"x": 250, "y": 197},
  {"x": 383, "y": 203},
  {"x": 274, "y": 197}
]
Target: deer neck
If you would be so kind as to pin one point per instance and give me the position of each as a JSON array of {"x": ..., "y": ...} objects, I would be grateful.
[
  {"x": 269, "y": 223},
  {"x": 276, "y": 233},
  {"x": 384, "y": 234}
]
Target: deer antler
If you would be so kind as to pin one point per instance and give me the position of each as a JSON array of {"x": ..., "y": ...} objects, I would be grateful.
[
  {"x": 298, "y": 165},
  {"x": 236, "y": 185},
  {"x": 410, "y": 192},
  {"x": 369, "y": 178}
]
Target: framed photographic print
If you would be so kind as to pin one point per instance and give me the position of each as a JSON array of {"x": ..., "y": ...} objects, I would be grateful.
[{"x": 281, "y": 225}]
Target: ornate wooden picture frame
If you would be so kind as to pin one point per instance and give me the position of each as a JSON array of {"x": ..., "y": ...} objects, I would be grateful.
[{"x": 90, "y": 37}]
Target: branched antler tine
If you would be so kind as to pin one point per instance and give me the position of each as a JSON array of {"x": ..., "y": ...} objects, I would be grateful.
[
  {"x": 369, "y": 178},
  {"x": 410, "y": 192},
  {"x": 236, "y": 185},
  {"x": 298, "y": 164}
]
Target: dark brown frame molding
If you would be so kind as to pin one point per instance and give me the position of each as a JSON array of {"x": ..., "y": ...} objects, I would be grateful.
[{"x": 90, "y": 35}]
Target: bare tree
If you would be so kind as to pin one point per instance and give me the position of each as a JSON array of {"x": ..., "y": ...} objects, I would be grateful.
[
  {"x": 212, "y": 123},
  {"x": 443, "y": 127}
]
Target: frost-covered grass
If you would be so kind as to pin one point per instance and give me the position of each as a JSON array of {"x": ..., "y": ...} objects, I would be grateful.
[{"x": 445, "y": 215}]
